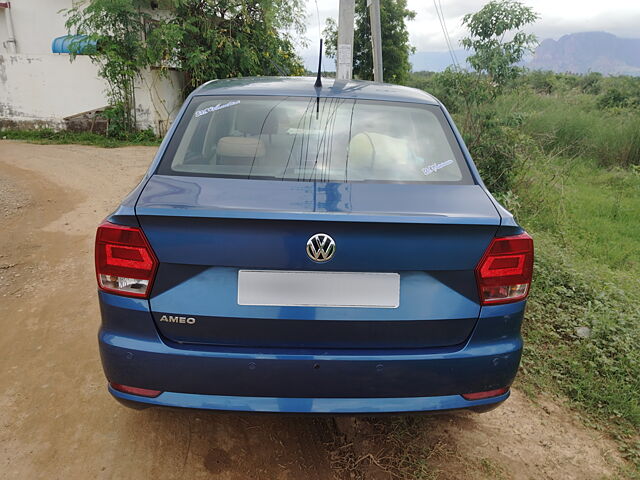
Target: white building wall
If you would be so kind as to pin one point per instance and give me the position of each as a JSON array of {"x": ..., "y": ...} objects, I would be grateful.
[
  {"x": 35, "y": 24},
  {"x": 39, "y": 88}
]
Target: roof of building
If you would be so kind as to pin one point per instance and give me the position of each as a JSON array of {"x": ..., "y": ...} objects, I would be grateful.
[{"x": 304, "y": 87}]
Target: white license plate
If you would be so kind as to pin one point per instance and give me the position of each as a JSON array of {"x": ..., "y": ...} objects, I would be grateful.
[{"x": 318, "y": 289}]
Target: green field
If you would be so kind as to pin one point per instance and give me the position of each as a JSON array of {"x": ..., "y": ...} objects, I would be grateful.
[
  {"x": 578, "y": 193},
  {"x": 562, "y": 152},
  {"x": 583, "y": 321}
]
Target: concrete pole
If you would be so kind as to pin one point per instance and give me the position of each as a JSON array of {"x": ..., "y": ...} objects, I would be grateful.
[
  {"x": 11, "y": 41},
  {"x": 376, "y": 38},
  {"x": 344, "y": 70}
]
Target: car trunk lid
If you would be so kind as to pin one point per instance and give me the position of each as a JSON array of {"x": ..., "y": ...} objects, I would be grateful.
[{"x": 204, "y": 230}]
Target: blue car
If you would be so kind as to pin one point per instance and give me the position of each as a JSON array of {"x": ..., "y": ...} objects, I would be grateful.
[{"x": 307, "y": 249}]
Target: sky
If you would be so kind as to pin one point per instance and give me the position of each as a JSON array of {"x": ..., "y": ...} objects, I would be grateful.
[{"x": 557, "y": 18}]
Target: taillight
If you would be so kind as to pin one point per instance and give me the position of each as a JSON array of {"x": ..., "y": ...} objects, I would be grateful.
[
  {"x": 125, "y": 262},
  {"x": 504, "y": 273}
]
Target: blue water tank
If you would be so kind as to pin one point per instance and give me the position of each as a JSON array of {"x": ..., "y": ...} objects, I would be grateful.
[{"x": 80, "y": 44}]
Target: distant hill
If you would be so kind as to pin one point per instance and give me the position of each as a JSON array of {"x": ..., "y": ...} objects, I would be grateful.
[{"x": 589, "y": 52}]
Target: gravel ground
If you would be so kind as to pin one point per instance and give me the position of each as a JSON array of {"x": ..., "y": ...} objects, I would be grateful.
[{"x": 12, "y": 198}]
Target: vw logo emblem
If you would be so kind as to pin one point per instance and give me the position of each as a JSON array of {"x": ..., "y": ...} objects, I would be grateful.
[{"x": 321, "y": 247}]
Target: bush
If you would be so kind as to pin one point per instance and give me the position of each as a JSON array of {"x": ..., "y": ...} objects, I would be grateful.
[
  {"x": 542, "y": 82},
  {"x": 590, "y": 83},
  {"x": 612, "y": 98},
  {"x": 498, "y": 151},
  {"x": 620, "y": 92}
]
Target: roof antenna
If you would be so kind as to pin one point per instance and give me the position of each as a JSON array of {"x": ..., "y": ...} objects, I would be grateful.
[{"x": 318, "y": 83}]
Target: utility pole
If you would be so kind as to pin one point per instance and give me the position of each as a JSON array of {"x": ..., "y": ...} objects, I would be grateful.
[
  {"x": 376, "y": 38},
  {"x": 344, "y": 70}
]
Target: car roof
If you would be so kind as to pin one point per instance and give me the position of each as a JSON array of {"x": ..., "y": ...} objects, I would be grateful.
[{"x": 304, "y": 87}]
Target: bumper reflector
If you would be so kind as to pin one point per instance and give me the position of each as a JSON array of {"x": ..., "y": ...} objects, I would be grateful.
[
  {"x": 143, "y": 392},
  {"x": 488, "y": 394}
]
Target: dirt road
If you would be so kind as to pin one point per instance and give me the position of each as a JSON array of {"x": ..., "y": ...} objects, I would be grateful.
[{"x": 58, "y": 421}]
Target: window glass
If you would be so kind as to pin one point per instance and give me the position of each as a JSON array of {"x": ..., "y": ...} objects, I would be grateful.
[{"x": 315, "y": 139}]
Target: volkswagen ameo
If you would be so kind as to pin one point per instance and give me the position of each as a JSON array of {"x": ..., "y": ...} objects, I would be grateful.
[{"x": 315, "y": 250}]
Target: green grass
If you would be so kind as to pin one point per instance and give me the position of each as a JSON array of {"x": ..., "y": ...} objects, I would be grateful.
[
  {"x": 575, "y": 186},
  {"x": 48, "y": 136},
  {"x": 593, "y": 211},
  {"x": 602, "y": 211},
  {"x": 586, "y": 224},
  {"x": 578, "y": 192},
  {"x": 574, "y": 125}
]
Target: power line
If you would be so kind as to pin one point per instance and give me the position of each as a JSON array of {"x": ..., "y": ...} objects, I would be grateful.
[
  {"x": 446, "y": 29},
  {"x": 438, "y": 7}
]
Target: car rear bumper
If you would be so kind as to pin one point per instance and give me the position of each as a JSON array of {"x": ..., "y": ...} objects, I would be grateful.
[
  {"x": 309, "y": 405},
  {"x": 297, "y": 381}
]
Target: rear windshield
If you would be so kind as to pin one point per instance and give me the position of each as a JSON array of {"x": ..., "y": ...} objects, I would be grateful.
[{"x": 315, "y": 139}]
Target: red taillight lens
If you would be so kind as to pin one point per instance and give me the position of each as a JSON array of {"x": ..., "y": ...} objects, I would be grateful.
[
  {"x": 125, "y": 262},
  {"x": 143, "y": 392},
  {"x": 488, "y": 394},
  {"x": 504, "y": 273}
]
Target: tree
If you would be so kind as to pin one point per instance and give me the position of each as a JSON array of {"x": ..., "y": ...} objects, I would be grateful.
[
  {"x": 205, "y": 39},
  {"x": 488, "y": 27},
  {"x": 116, "y": 27},
  {"x": 395, "y": 40},
  {"x": 210, "y": 39}
]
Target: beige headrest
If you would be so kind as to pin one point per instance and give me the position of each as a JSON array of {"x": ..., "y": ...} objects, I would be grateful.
[
  {"x": 368, "y": 150},
  {"x": 240, "y": 147}
]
